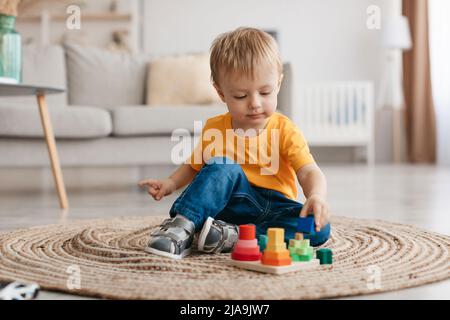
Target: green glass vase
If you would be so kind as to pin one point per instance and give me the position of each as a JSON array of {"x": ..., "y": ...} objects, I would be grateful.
[{"x": 10, "y": 50}]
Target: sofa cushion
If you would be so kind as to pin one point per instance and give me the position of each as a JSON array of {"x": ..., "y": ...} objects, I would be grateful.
[
  {"x": 142, "y": 120},
  {"x": 181, "y": 80},
  {"x": 103, "y": 78},
  {"x": 42, "y": 66},
  {"x": 74, "y": 122}
]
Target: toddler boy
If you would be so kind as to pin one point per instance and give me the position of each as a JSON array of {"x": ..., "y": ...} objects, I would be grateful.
[{"x": 247, "y": 163}]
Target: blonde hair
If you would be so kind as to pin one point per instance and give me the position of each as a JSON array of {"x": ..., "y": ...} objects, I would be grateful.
[{"x": 242, "y": 50}]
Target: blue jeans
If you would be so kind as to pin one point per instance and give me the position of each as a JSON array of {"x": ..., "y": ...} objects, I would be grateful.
[{"x": 221, "y": 190}]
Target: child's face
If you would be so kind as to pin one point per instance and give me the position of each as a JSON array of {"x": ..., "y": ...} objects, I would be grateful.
[{"x": 251, "y": 101}]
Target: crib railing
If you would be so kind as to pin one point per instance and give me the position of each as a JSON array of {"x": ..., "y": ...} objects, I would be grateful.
[{"x": 337, "y": 114}]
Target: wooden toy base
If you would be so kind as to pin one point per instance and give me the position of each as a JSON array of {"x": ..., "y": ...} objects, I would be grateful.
[{"x": 258, "y": 266}]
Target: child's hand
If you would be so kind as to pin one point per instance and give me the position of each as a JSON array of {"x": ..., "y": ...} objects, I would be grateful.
[
  {"x": 159, "y": 188},
  {"x": 318, "y": 205}
]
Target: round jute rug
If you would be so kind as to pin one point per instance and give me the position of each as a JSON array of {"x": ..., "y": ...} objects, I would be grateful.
[{"x": 104, "y": 258}]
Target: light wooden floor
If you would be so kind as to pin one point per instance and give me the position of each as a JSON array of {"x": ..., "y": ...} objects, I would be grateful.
[{"x": 417, "y": 195}]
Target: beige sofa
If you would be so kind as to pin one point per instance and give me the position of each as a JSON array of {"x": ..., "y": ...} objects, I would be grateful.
[{"x": 102, "y": 118}]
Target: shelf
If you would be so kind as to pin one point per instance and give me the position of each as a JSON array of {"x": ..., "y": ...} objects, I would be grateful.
[{"x": 84, "y": 17}]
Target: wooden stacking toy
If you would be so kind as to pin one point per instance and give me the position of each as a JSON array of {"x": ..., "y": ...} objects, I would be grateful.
[
  {"x": 276, "y": 259},
  {"x": 276, "y": 253},
  {"x": 300, "y": 250},
  {"x": 246, "y": 248}
]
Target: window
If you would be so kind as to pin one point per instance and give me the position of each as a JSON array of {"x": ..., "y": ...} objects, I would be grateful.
[{"x": 439, "y": 35}]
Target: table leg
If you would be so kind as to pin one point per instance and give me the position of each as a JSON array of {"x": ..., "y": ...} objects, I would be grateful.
[{"x": 50, "y": 139}]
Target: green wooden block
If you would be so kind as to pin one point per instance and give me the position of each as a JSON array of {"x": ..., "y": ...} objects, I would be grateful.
[
  {"x": 302, "y": 251},
  {"x": 304, "y": 243},
  {"x": 262, "y": 242},
  {"x": 304, "y": 258},
  {"x": 295, "y": 257},
  {"x": 325, "y": 256},
  {"x": 292, "y": 250},
  {"x": 295, "y": 243},
  {"x": 310, "y": 251},
  {"x": 325, "y": 261},
  {"x": 263, "y": 238},
  {"x": 324, "y": 251},
  {"x": 329, "y": 260}
]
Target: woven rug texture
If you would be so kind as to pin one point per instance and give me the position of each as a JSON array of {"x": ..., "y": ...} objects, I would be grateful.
[{"x": 105, "y": 258}]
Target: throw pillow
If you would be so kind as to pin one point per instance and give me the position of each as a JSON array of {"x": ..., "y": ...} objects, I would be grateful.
[
  {"x": 105, "y": 78},
  {"x": 180, "y": 80}
]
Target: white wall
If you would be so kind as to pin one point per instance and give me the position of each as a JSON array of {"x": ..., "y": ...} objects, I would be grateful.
[{"x": 325, "y": 40}]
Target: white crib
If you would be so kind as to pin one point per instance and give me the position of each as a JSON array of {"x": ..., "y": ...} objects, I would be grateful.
[{"x": 338, "y": 114}]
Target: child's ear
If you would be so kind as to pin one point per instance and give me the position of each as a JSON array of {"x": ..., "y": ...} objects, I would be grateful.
[
  {"x": 280, "y": 81},
  {"x": 219, "y": 92}
]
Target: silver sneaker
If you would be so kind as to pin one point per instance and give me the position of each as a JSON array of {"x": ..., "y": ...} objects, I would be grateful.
[
  {"x": 173, "y": 239},
  {"x": 217, "y": 236}
]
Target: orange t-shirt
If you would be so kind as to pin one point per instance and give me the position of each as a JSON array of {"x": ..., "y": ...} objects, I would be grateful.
[{"x": 269, "y": 159}]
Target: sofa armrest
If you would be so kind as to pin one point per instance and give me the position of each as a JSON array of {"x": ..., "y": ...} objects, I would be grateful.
[{"x": 285, "y": 94}]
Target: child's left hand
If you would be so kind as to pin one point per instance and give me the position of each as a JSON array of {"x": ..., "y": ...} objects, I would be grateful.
[{"x": 316, "y": 204}]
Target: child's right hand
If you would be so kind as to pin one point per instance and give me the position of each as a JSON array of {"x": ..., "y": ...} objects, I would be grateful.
[{"x": 159, "y": 188}]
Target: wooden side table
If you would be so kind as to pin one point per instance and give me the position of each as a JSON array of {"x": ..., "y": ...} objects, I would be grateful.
[{"x": 40, "y": 92}]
